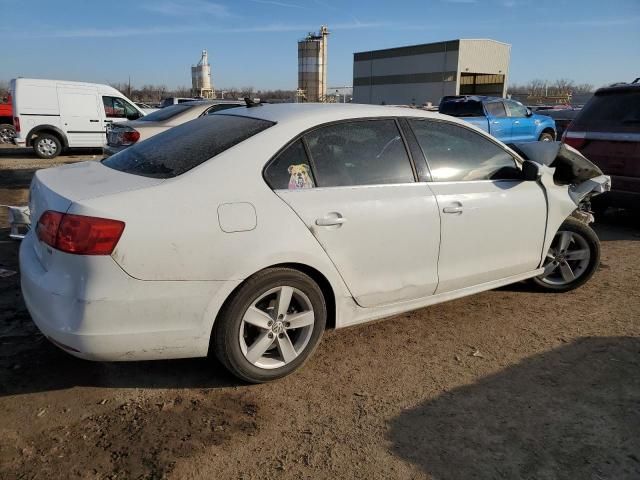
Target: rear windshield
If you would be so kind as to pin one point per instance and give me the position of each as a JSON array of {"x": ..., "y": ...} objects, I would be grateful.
[
  {"x": 462, "y": 108},
  {"x": 165, "y": 113},
  {"x": 610, "y": 112},
  {"x": 186, "y": 146}
]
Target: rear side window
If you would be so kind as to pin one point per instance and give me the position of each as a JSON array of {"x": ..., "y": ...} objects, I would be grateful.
[
  {"x": 496, "y": 109},
  {"x": 458, "y": 154},
  {"x": 186, "y": 146},
  {"x": 462, "y": 108},
  {"x": 369, "y": 152},
  {"x": 610, "y": 112},
  {"x": 290, "y": 170},
  {"x": 166, "y": 113}
]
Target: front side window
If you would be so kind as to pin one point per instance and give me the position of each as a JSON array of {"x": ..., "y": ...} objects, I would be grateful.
[
  {"x": 516, "y": 109},
  {"x": 496, "y": 109},
  {"x": 175, "y": 151},
  {"x": 115, "y": 107},
  {"x": 367, "y": 152},
  {"x": 456, "y": 153},
  {"x": 290, "y": 170}
]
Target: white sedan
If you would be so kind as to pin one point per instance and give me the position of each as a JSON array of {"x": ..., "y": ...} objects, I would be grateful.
[{"x": 246, "y": 233}]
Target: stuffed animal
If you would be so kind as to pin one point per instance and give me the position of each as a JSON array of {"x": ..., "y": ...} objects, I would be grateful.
[{"x": 300, "y": 177}]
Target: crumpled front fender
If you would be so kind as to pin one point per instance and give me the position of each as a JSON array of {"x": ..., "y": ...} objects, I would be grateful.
[{"x": 589, "y": 188}]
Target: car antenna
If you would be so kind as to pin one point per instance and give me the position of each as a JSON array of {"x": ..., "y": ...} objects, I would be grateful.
[{"x": 250, "y": 103}]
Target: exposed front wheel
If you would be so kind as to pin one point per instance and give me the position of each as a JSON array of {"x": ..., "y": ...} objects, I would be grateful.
[
  {"x": 7, "y": 132},
  {"x": 572, "y": 258},
  {"x": 47, "y": 146},
  {"x": 546, "y": 137},
  {"x": 271, "y": 325}
]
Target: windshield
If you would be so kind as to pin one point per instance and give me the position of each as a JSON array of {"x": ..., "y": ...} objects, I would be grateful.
[
  {"x": 186, "y": 146},
  {"x": 165, "y": 113},
  {"x": 611, "y": 112},
  {"x": 462, "y": 108}
]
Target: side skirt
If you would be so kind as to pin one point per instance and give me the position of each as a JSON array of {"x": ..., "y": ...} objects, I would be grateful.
[{"x": 353, "y": 315}]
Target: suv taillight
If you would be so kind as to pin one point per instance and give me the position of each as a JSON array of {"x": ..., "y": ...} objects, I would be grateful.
[
  {"x": 79, "y": 234},
  {"x": 16, "y": 124}
]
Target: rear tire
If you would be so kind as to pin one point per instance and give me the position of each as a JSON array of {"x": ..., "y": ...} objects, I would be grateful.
[
  {"x": 572, "y": 259},
  {"x": 7, "y": 132},
  {"x": 546, "y": 137},
  {"x": 270, "y": 326},
  {"x": 47, "y": 146}
]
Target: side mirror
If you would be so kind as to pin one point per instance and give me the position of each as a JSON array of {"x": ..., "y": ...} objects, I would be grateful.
[
  {"x": 529, "y": 112},
  {"x": 531, "y": 171}
]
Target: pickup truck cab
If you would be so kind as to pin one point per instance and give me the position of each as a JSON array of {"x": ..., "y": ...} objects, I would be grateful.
[{"x": 507, "y": 120}]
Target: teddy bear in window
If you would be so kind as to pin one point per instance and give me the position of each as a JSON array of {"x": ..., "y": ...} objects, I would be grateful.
[{"x": 300, "y": 177}]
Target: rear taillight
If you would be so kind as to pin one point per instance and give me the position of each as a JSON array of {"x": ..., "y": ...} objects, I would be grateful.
[
  {"x": 129, "y": 137},
  {"x": 79, "y": 234},
  {"x": 16, "y": 124}
]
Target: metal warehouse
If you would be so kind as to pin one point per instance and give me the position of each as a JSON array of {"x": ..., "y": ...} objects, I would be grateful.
[{"x": 419, "y": 74}]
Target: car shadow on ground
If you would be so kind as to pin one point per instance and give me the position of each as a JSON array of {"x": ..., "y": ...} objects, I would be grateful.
[{"x": 573, "y": 412}]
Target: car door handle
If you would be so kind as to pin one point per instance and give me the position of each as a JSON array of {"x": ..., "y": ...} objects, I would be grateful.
[
  {"x": 333, "y": 219},
  {"x": 94, "y": 121},
  {"x": 453, "y": 209},
  {"x": 108, "y": 121}
]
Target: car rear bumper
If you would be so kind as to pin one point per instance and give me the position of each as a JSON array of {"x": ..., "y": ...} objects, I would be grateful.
[
  {"x": 109, "y": 315},
  {"x": 109, "y": 150}
]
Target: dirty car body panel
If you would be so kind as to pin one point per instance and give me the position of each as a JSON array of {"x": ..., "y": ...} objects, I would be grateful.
[{"x": 388, "y": 209}]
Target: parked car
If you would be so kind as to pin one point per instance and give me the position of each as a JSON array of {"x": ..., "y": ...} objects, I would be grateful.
[
  {"x": 123, "y": 135},
  {"x": 167, "y": 102},
  {"x": 7, "y": 132},
  {"x": 507, "y": 120},
  {"x": 146, "y": 108},
  {"x": 245, "y": 233},
  {"x": 563, "y": 117},
  {"x": 607, "y": 130},
  {"x": 51, "y": 115}
]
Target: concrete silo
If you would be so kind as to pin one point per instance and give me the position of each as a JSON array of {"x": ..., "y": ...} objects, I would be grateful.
[
  {"x": 201, "y": 85},
  {"x": 312, "y": 67}
]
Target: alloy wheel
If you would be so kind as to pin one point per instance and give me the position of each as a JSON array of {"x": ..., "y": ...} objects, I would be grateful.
[
  {"x": 6, "y": 135},
  {"x": 47, "y": 147},
  {"x": 277, "y": 327},
  {"x": 567, "y": 259}
]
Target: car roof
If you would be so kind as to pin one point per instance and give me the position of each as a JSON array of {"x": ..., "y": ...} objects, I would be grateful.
[
  {"x": 619, "y": 88},
  {"x": 213, "y": 102},
  {"x": 311, "y": 114},
  {"x": 474, "y": 98}
]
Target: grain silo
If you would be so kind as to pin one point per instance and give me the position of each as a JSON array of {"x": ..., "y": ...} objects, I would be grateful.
[
  {"x": 201, "y": 85},
  {"x": 312, "y": 66}
]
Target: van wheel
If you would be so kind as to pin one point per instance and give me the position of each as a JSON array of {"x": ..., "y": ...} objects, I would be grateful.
[
  {"x": 7, "y": 132},
  {"x": 546, "y": 137},
  {"x": 270, "y": 326},
  {"x": 47, "y": 146},
  {"x": 572, "y": 259}
]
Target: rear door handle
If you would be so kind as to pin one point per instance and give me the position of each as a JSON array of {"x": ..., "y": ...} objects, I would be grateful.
[
  {"x": 333, "y": 219},
  {"x": 456, "y": 208},
  {"x": 93, "y": 121}
]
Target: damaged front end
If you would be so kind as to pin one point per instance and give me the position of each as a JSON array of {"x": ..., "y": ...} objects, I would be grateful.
[
  {"x": 569, "y": 169},
  {"x": 19, "y": 221}
]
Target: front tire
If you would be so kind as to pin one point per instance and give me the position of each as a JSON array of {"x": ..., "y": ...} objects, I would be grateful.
[
  {"x": 47, "y": 146},
  {"x": 572, "y": 259},
  {"x": 546, "y": 137},
  {"x": 270, "y": 326}
]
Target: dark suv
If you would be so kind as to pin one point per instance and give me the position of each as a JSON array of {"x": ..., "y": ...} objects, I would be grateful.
[{"x": 607, "y": 132}]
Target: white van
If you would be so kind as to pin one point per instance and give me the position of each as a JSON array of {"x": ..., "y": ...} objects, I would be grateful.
[{"x": 51, "y": 115}]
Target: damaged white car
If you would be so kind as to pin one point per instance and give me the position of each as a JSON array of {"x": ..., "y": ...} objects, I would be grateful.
[{"x": 245, "y": 234}]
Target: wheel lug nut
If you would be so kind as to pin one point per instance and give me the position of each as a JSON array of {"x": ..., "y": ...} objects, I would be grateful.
[
  {"x": 281, "y": 335},
  {"x": 280, "y": 317},
  {"x": 269, "y": 323},
  {"x": 287, "y": 324},
  {"x": 271, "y": 335}
]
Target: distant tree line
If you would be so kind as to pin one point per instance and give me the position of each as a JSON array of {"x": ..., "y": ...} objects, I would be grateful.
[
  {"x": 539, "y": 87},
  {"x": 156, "y": 93}
]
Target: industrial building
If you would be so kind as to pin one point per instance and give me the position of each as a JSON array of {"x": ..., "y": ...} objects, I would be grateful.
[
  {"x": 201, "y": 85},
  {"x": 421, "y": 74},
  {"x": 312, "y": 67}
]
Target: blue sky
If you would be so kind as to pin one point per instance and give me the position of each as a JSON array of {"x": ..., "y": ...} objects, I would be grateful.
[{"x": 253, "y": 42}]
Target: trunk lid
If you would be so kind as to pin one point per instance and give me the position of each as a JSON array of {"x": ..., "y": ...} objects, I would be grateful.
[{"x": 58, "y": 188}]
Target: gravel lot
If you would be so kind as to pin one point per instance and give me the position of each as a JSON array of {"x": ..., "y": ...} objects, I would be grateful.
[{"x": 510, "y": 383}]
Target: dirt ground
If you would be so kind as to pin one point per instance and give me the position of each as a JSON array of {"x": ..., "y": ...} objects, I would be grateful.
[{"x": 510, "y": 383}]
